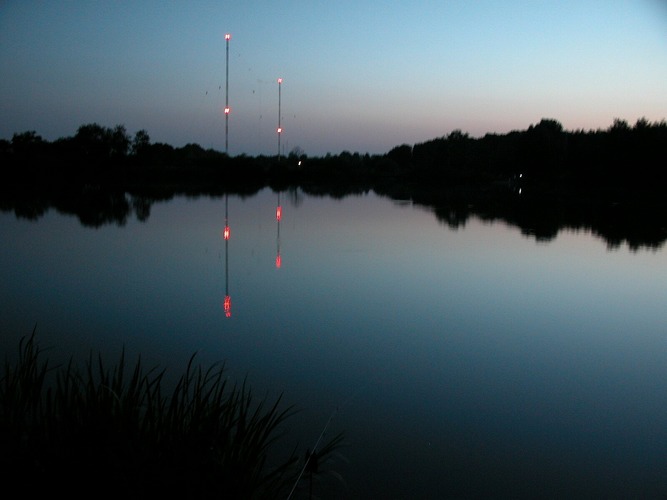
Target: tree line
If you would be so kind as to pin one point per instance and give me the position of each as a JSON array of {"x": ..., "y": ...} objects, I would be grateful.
[{"x": 621, "y": 155}]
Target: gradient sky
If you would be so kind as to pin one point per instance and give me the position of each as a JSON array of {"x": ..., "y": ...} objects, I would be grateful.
[{"x": 361, "y": 76}]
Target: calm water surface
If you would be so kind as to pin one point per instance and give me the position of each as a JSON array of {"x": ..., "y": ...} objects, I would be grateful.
[{"x": 468, "y": 362}]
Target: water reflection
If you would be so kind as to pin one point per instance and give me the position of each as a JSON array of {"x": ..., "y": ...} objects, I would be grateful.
[
  {"x": 636, "y": 219},
  {"x": 279, "y": 215},
  {"x": 226, "y": 233},
  {"x": 226, "y": 236}
]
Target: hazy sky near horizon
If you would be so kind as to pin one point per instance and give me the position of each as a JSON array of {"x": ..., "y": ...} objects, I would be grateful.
[{"x": 361, "y": 76}]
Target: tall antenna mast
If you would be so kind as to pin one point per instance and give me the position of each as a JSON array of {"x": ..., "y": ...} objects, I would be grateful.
[
  {"x": 228, "y": 37},
  {"x": 280, "y": 130}
]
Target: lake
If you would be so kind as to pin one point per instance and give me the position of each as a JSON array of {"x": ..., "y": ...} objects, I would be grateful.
[{"x": 468, "y": 359}]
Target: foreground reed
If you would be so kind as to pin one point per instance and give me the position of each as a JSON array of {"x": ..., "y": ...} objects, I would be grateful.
[{"x": 111, "y": 432}]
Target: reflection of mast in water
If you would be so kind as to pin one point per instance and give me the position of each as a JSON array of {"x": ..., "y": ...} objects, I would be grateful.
[
  {"x": 226, "y": 233},
  {"x": 279, "y": 215}
]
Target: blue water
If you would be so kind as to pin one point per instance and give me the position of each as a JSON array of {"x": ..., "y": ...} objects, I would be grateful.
[{"x": 460, "y": 363}]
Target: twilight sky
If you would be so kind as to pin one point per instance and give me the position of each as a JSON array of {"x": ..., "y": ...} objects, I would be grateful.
[{"x": 358, "y": 75}]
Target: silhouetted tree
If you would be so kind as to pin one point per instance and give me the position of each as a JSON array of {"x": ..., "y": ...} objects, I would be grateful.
[
  {"x": 402, "y": 155},
  {"x": 29, "y": 157},
  {"x": 297, "y": 153},
  {"x": 544, "y": 149},
  {"x": 27, "y": 143},
  {"x": 140, "y": 143},
  {"x": 120, "y": 142}
]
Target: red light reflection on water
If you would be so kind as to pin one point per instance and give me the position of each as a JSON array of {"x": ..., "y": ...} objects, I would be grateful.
[{"x": 227, "y": 306}]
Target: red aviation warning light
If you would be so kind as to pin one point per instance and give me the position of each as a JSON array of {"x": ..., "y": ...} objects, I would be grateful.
[
  {"x": 227, "y": 110},
  {"x": 280, "y": 80},
  {"x": 226, "y": 233},
  {"x": 228, "y": 36},
  {"x": 279, "y": 261},
  {"x": 279, "y": 213},
  {"x": 227, "y": 306},
  {"x": 280, "y": 130}
]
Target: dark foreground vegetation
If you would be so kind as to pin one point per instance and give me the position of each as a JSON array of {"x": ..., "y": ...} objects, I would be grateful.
[
  {"x": 114, "y": 432},
  {"x": 611, "y": 182}
]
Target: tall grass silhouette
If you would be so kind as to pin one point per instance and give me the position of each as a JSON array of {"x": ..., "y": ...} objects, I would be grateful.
[{"x": 105, "y": 431}]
